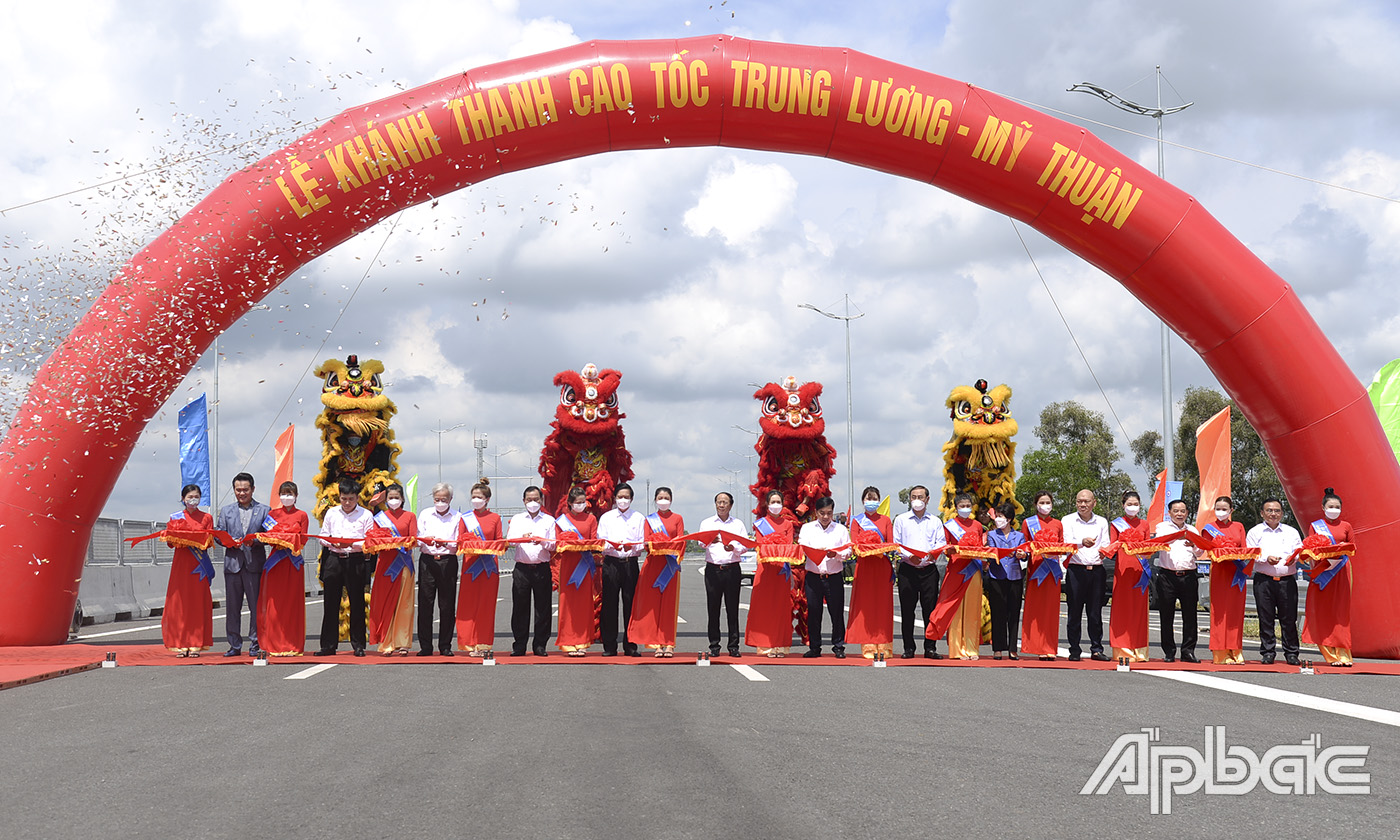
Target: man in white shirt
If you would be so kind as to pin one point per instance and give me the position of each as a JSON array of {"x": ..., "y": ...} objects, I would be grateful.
[
  {"x": 343, "y": 569},
  {"x": 722, "y": 572},
  {"x": 826, "y": 580},
  {"x": 1176, "y": 580},
  {"x": 1085, "y": 575},
  {"x": 437, "y": 571},
  {"x": 530, "y": 577},
  {"x": 917, "y": 577},
  {"x": 621, "y": 568},
  {"x": 1275, "y": 582}
]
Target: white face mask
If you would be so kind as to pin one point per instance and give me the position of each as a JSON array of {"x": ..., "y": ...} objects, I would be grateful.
[
  {"x": 478, "y": 503},
  {"x": 1000, "y": 522},
  {"x": 194, "y": 503},
  {"x": 965, "y": 512},
  {"x": 441, "y": 507},
  {"x": 394, "y": 504},
  {"x": 579, "y": 507},
  {"x": 1222, "y": 515},
  {"x": 663, "y": 504},
  {"x": 289, "y": 501},
  {"x": 1132, "y": 510},
  {"x": 918, "y": 505},
  {"x": 775, "y": 508},
  {"x": 532, "y": 507},
  {"x": 1332, "y": 512},
  {"x": 1043, "y": 508},
  {"x": 623, "y": 503}
]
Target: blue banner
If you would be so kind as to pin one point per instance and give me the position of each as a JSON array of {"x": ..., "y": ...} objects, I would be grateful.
[
  {"x": 1173, "y": 494},
  {"x": 194, "y": 447}
]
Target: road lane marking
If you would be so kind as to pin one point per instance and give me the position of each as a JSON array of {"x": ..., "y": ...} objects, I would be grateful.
[
  {"x": 1278, "y": 695},
  {"x": 310, "y": 672},
  {"x": 749, "y": 673},
  {"x": 155, "y": 626}
]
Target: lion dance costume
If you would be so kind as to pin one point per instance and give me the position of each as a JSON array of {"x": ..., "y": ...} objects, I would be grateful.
[
  {"x": 356, "y": 441},
  {"x": 794, "y": 459},
  {"x": 585, "y": 449}
]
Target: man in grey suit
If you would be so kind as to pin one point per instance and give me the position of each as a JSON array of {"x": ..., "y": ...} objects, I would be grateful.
[{"x": 242, "y": 565}]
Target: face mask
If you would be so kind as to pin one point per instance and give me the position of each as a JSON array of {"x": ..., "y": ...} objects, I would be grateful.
[
  {"x": 871, "y": 506},
  {"x": 1132, "y": 510},
  {"x": 1332, "y": 513},
  {"x": 289, "y": 501},
  {"x": 579, "y": 507},
  {"x": 394, "y": 504},
  {"x": 1222, "y": 515},
  {"x": 1000, "y": 522},
  {"x": 965, "y": 512},
  {"x": 663, "y": 504},
  {"x": 441, "y": 507},
  {"x": 1043, "y": 508},
  {"x": 194, "y": 503},
  {"x": 478, "y": 504},
  {"x": 532, "y": 507},
  {"x": 623, "y": 503},
  {"x": 918, "y": 504},
  {"x": 775, "y": 508}
]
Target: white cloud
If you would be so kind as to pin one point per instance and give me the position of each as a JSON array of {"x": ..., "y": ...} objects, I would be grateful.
[{"x": 740, "y": 200}]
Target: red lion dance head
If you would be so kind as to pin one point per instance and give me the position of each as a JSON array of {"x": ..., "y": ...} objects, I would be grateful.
[
  {"x": 790, "y": 411},
  {"x": 586, "y": 448},
  {"x": 794, "y": 457}
]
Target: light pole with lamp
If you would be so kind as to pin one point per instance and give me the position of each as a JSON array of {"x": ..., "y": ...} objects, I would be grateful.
[
  {"x": 850, "y": 431},
  {"x": 1168, "y": 447},
  {"x": 756, "y": 436},
  {"x": 440, "y": 433}
]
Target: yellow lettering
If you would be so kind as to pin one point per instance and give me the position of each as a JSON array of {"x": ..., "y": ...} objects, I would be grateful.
[
  {"x": 621, "y": 80},
  {"x": 852, "y": 113},
  {"x": 522, "y": 105},
  {"x": 300, "y": 209},
  {"x": 500, "y": 117},
  {"x": 360, "y": 157},
  {"x": 401, "y": 136},
  {"x": 699, "y": 91},
  {"x": 476, "y": 116},
  {"x": 383, "y": 158},
  {"x": 424, "y": 134},
  {"x": 994, "y": 135},
  {"x": 1123, "y": 204},
  {"x": 757, "y": 74},
  {"x": 344, "y": 175},
  {"x": 658, "y": 69},
  {"x": 308, "y": 186},
  {"x": 1059, "y": 153},
  {"x": 1023, "y": 136},
  {"x": 583, "y": 102},
  {"x": 543, "y": 95},
  {"x": 799, "y": 90},
  {"x": 739, "y": 68},
  {"x": 821, "y": 93},
  {"x": 1069, "y": 171},
  {"x": 778, "y": 90}
]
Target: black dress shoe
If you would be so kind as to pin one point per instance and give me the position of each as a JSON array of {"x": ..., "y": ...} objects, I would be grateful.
[
  {"x": 908, "y": 654},
  {"x": 1011, "y": 655},
  {"x": 1100, "y": 657},
  {"x": 448, "y": 652},
  {"x": 734, "y": 652},
  {"x": 610, "y": 653},
  {"x": 812, "y": 654},
  {"x": 517, "y": 651},
  {"x": 231, "y": 652},
  {"x": 1074, "y": 657},
  {"x": 425, "y": 653},
  {"x": 1266, "y": 659},
  {"x": 255, "y": 652},
  {"x": 359, "y": 651},
  {"x": 840, "y": 654},
  {"x": 932, "y": 654},
  {"x": 325, "y": 652},
  {"x": 1189, "y": 656},
  {"x": 634, "y": 652},
  {"x": 714, "y": 650},
  {"x": 1291, "y": 658},
  {"x": 1168, "y": 658},
  {"x": 540, "y": 651}
]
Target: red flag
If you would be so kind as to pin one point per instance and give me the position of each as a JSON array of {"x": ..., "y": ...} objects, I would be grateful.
[
  {"x": 1158, "y": 508},
  {"x": 282, "y": 459},
  {"x": 1213, "y": 461}
]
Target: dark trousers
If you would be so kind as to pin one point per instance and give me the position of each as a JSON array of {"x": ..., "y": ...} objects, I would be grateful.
[
  {"x": 619, "y": 583},
  {"x": 1277, "y": 600},
  {"x": 237, "y": 586},
  {"x": 529, "y": 580},
  {"x": 831, "y": 590},
  {"x": 437, "y": 581},
  {"x": 1173, "y": 587},
  {"x": 917, "y": 587},
  {"x": 1084, "y": 588},
  {"x": 722, "y": 584},
  {"x": 339, "y": 575},
  {"x": 1004, "y": 597}
]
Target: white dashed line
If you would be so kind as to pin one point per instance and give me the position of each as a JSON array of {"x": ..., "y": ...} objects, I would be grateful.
[
  {"x": 310, "y": 672},
  {"x": 749, "y": 673},
  {"x": 1278, "y": 695}
]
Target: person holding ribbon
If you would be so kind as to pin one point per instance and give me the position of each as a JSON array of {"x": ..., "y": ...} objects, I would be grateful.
[
  {"x": 826, "y": 545},
  {"x": 391, "y": 592},
  {"x": 920, "y": 537},
  {"x": 343, "y": 568},
  {"x": 769, "y": 628},
  {"x": 576, "y": 537},
  {"x": 282, "y": 593},
  {"x": 1177, "y": 580},
  {"x": 1230, "y": 562},
  {"x": 187, "y": 623},
  {"x": 623, "y": 531},
  {"x": 1004, "y": 580},
  {"x": 655, "y": 605},
  {"x": 480, "y": 542},
  {"x": 872, "y": 599},
  {"x": 1276, "y": 582},
  {"x": 1327, "y": 617},
  {"x": 437, "y": 571},
  {"x": 1040, "y": 628},
  {"x": 533, "y": 532},
  {"x": 959, "y": 609},
  {"x": 722, "y": 573},
  {"x": 1132, "y": 579}
]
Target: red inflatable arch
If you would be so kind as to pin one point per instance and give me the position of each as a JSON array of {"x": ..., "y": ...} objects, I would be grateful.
[{"x": 95, "y": 394}]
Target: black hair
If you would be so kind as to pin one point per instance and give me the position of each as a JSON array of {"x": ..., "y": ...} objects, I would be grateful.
[
  {"x": 243, "y": 477},
  {"x": 1273, "y": 499},
  {"x": 726, "y": 494},
  {"x": 823, "y": 503},
  {"x": 1227, "y": 500},
  {"x": 1046, "y": 493},
  {"x": 919, "y": 487},
  {"x": 529, "y": 489},
  {"x": 349, "y": 485},
  {"x": 1008, "y": 510},
  {"x": 1181, "y": 502},
  {"x": 867, "y": 491},
  {"x": 576, "y": 492},
  {"x": 623, "y": 486},
  {"x": 1330, "y": 495},
  {"x": 188, "y": 488},
  {"x": 484, "y": 485},
  {"x": 1131, "y": 494},
  {"x": 288, "y": 487},
  {"x": 661, "y": 490}
]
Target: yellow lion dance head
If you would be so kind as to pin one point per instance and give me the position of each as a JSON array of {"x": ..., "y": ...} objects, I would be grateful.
[{"x": 980, "y": 458}]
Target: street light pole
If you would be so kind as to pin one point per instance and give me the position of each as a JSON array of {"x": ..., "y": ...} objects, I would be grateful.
[
  {"x": 440, "y": 433},
  {"x": 1168, "y": 444},
  {"x": 850, "y": 429}
]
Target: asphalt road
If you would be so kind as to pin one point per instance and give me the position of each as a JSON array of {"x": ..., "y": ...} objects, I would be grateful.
[{"x": 650, "y": 750}]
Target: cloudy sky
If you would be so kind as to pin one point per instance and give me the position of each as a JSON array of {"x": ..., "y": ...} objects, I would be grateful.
[{"x": 685, "y": 268}]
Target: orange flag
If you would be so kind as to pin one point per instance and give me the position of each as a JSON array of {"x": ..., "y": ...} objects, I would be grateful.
[
  {"x": 282, "y": 459},
  {"x": 1158, "y": 508},
  {"x": 1213, "y": 461}
]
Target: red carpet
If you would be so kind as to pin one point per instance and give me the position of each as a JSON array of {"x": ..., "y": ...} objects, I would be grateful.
[{"x": 20, "y": 665}]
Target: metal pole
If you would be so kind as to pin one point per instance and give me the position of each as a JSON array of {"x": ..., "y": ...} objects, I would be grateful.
[
  {"x": 850, "y": 428},
  {"x": 214, "y": 450}
]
